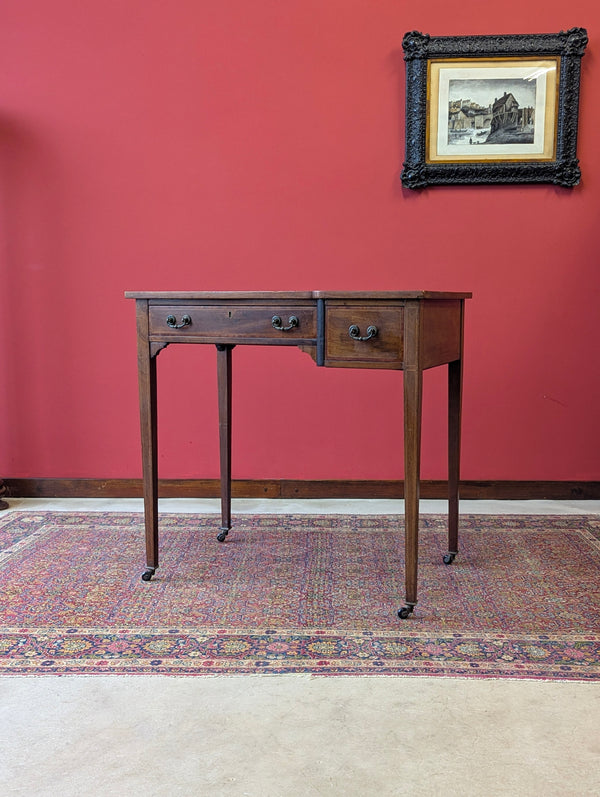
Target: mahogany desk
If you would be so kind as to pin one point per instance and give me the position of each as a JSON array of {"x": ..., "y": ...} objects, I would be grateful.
[{"x": 408, "y": 331}]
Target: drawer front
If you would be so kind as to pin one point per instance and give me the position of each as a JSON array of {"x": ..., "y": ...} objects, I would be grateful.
[
  {"x": 263, "y": 322},
  {"x": 368, "y": 336}
]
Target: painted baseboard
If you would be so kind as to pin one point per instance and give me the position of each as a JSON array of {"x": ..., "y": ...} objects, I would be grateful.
[{"x": 289, "y": 488}]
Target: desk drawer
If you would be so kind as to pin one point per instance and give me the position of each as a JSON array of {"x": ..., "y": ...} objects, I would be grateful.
[
  {"x": 364, "y": 336},
  {"x": 250, "y": 322}
]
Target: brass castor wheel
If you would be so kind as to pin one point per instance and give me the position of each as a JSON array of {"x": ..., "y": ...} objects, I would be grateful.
[
  {"x": 148, "y": 573},
  {"x": 449, "y": 558},
  {"x": 222, "y": 535},
  {"x": 405, "y": 612}
]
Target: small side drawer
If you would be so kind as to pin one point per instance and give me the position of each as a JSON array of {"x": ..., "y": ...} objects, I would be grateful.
[
  {"x": 247, "y": 322},
  {"x": 381, "y": 328}
]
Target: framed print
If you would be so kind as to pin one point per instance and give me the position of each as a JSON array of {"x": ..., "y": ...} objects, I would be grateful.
[{"x": 492, "y": 109}]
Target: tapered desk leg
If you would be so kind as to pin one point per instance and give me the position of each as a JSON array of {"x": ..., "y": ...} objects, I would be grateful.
[
  {"x": 413, "y": 400},
  {"x": 148, "y": 416},
  {"x": 454, "y": 418},
  {"x": 224, "y": 387}
]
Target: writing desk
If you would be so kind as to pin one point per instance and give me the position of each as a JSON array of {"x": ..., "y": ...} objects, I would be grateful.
[{"x": 408, "y": 331}]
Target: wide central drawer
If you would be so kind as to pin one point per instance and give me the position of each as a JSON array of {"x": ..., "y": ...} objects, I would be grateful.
[
  {"x": 252, "y": 322},
  {"x": 369, "y": 336}
]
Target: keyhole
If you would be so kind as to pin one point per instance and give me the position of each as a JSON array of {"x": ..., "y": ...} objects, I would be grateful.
[{"x": 230, "y": 314}]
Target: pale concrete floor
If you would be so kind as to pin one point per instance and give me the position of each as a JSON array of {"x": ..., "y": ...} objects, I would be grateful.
[{"x": 272, "y": 736}]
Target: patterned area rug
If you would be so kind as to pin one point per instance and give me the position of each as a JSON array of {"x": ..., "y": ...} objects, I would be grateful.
[{"x": 299, "y": 594}]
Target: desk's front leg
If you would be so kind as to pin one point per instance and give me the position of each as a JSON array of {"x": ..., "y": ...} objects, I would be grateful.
[
  {"x": 413, "y": 401},
  {"x": 224, "y": 388},
  {"x": 148, "y": 424}
]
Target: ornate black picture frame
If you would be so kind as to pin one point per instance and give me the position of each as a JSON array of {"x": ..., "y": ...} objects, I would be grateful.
[{"x": 492, "y": 109}]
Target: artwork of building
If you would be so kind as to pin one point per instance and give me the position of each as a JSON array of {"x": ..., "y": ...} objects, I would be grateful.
[
  {"x": 503, "y": 120},
  {"x": 464, "y": 115},
  {"x": 507, "y": 114}
]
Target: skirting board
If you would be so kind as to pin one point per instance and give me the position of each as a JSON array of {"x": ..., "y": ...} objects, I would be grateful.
[{"x": 289, "y": 488}]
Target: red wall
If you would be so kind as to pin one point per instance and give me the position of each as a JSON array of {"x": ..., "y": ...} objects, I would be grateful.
[{"x": 147, "y": 145}]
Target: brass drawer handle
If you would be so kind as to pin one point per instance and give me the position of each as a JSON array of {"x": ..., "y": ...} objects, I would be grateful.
[
  {"x": 172, "y": 321},
  {"x": 354, "y": 332},
  {"x": 277, "y": 323}
]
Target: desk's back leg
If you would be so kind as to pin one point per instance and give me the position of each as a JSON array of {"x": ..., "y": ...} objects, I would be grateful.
[
  {"x": 454, "y": 418},
  {"x": 224, "y": 387}
]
